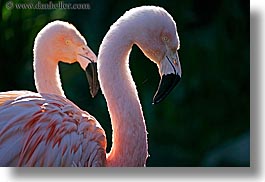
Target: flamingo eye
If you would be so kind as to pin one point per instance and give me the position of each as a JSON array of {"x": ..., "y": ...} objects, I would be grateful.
[
  {"x": 67, "y": 42},
  {"x": 165, "y": 39}
]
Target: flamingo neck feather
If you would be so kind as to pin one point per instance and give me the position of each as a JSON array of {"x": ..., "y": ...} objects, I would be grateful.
[
  {"x": 129, "y": 147},
  {"x": 46, "y": 71}
]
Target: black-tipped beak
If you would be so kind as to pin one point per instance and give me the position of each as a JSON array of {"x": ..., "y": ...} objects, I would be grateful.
[
  {"x": 167, "y": 83},
  {"x": 92, "y": 77}
]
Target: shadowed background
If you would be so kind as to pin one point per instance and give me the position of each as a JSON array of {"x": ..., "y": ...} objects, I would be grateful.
[{"x": 205, "y": 121}]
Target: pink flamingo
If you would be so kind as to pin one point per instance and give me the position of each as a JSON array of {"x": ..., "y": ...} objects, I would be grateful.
[
  {"x": 154, "y": 31},
  {"x": 79, "y": 143},
  {"x": 31, "y": 123}
]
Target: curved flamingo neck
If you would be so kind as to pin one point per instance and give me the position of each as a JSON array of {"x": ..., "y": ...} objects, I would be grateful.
[
  {"x": 46, "y": 72},
  {"x": 129, "y": 146}
]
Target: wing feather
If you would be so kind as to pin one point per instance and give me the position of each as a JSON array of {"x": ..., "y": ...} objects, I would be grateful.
[
  {"x": 11, "y": 95},
  {"x": 48, "y": 130},
  {"x": 9, "y": 152}
]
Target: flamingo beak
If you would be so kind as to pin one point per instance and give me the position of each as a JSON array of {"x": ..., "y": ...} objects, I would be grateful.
[
  {"x": 92, "y": 77},
  {"x": 166, "y": 85},
  {"x": 90, "y": 67},
  {"x": 170, "y": 72}
]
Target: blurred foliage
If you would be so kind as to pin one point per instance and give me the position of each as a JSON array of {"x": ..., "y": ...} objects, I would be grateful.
[{"x": 209, "y": 107}]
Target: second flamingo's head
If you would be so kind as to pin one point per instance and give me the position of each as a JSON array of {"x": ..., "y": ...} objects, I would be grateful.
[
  {"x": 154, "y": 31},
  {"x": 61, "y": 41}
]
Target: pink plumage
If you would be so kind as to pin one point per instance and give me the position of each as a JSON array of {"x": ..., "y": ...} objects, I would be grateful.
[
  {"x": 46, "y": 129},
  {"x": 49, "y": 130}
]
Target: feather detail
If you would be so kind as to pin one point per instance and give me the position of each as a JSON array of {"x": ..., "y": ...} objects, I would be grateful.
[{"x": 67, "y": 136}]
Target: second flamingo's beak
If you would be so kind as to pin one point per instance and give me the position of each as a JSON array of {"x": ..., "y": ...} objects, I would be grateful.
[
  {"x": 170, "y": 72},
  {"x": 166, "y": 85}
]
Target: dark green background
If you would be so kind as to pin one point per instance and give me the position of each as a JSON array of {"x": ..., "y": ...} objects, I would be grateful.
[{"x": 205, "y": 121}]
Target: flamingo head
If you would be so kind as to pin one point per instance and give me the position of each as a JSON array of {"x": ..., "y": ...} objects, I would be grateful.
[
  {"x": 65, "y": 43},
  {"x": 159, "y": 41}
]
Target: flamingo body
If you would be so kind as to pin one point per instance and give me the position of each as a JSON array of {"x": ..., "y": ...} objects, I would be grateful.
[{"x": 49, "y": 130}]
